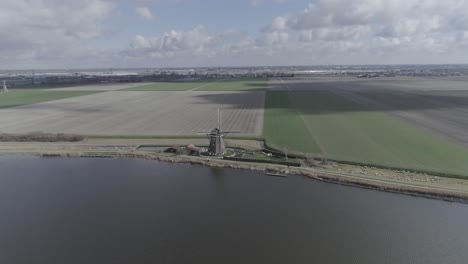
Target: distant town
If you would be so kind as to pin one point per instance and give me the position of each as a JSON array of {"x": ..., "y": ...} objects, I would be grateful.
[{"x": 31, "y": 78}]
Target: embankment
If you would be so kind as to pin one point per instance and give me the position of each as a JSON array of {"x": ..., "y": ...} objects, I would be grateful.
[{"x": 337, "y": 177}]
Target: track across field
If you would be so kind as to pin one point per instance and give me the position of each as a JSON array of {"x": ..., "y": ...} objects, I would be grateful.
[
  {"x": 170, "y": 86},
  {"x": 328, "y": 125},
  {"x": 218, "y": 85}
]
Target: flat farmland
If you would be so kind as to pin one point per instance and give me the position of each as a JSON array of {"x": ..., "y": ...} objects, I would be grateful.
[
  {"x": 139, "y": 113},
  {"x": 21, "y": 97},
  {"x": 436, "y": 105},
  {"x": 99, "y": 87},
  {"x": 227, "y": 85},
  {"x": 170, "y": 86},
  {"x": 441, "y": 112},
  {"x": 334, "y": 127},
  {"x": 238, "y": 85}
]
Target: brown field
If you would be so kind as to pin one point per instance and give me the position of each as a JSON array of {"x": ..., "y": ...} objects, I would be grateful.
[{"x": 139, "y": 113}]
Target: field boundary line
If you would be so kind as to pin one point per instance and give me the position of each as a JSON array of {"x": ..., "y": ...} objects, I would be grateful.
[
  {"x": 354, "y": 99},
  {"x": 202, "y": 86},
  {"x": 296, "y": 109},
  {"x": 370, "y": 103}
]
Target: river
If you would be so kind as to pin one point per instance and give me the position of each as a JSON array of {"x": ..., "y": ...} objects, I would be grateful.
[{"x": 136, "y": 211}]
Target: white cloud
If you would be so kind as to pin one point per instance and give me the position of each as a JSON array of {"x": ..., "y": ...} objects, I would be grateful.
[
  {"x": 62, "y": 33},
  {"x": 196, "y": 42},
  {"x": 279, "y": 23},
  {"x": 144, "y": 12},
  {"x": 256, "y": 3},
  {"x": 43, "y": 29},
  {"x": 378, "y": 26},
  {"x": 274, "y": 38}
]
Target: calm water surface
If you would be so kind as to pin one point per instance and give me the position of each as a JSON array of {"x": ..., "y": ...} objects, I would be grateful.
[{"x": 134, "y": 211}]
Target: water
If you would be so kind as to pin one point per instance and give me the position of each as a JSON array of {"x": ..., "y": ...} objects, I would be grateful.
[{"x": 136, "y": 211}]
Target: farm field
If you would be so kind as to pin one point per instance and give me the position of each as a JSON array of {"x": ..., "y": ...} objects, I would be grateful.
[
  {"x": 338, "y": 128},
  {"x": 22, "y": 97},
  {"x": 436, "y": 105},
  {"x": 170, "y": 86},
  {"x": 374, "y": 122},
  {"x": 98, "y": 87},
  {"x": 441, "y": 112},
  {"x": 240, "y": 85},
  {"x": 228, "y": 85},
  {"x": 139, "y": 113}
]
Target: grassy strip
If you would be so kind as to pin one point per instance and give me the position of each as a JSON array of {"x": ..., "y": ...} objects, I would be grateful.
[
  {"x": 294, "y": 155},
  {"x": 16, "y": 98},
  {"x": 169, "y": 137},
  {"x": 302, "y": 120},
  {"x": 286, "y": 163},
  {"x": 41, "y": 137}
]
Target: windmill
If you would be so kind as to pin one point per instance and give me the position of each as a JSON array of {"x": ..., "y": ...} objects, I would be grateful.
[
  {"x": 5, "y": 87},
  {"x": 217, "y": 146}
]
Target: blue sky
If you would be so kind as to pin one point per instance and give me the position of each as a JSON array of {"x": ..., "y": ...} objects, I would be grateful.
[
  {"x": 185, "y": 33},
  {"x": 217, "y": 16}
]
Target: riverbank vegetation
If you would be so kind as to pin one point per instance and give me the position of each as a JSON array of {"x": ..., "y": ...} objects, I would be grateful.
[{"x": 41, "y": 137}]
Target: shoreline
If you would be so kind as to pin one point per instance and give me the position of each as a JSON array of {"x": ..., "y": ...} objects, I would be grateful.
[{"x": 335, "y": 177}]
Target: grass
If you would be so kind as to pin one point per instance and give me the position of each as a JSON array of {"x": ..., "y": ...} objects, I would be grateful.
[
  {"x": 228, "y": 85},
  {"x": 284, "y": 126},
  {"x": 330, "y": 126},
  {"x": 22, "y": 97}
]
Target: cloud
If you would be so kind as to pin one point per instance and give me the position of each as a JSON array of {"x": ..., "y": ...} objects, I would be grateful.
[
  {"x": 195, "y": 42},
  {"x": 33, "y": 30},
  {"x": 144, "y": 12},
  {"x": 256, "y": 3},
  {"x": 274, "y": 38},
  {"x": 279, "y": 23},
  {"x": 69, "y": 33},
  {"x": 382, "y": 26}
]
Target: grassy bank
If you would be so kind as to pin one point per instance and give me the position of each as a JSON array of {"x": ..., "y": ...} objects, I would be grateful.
[
  {"x": 424, "y": 190},
  {"x": 41, "y": 137}
]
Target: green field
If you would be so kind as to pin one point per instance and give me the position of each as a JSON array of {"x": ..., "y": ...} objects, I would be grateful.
[
  {"x": 237, "y": 85},
  {"x": 328, "y": 125},
  {"x": 29, "y": 96}
]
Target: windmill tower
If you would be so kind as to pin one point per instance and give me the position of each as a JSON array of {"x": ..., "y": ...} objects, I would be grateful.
[
  {"x": 217, "y": 146},
  {"x": 5, "y": 87}
]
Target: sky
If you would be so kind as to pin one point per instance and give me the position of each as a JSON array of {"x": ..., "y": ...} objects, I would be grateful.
[{"x": 71, "y": 34}]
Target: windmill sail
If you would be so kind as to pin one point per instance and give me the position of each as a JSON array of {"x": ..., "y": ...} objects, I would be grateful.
[{"x": 217, "y": 146}]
